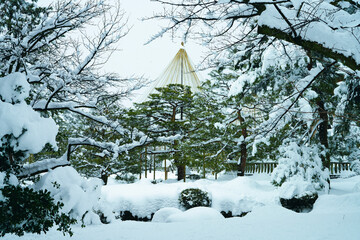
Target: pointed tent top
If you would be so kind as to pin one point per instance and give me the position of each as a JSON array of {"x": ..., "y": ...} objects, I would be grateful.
[{"x": 179, "y": 71}]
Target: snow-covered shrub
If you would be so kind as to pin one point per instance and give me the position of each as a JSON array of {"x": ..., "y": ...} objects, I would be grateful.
[
  {"x": 355, "y": 167},
  {"x": 298, "y": 195},
  {"x": 300, "y": 162},
  {"x": 79, "y": 195},
  {"x": 194, "y": 197},
  {"x": 24, "y": 210},
  {"x": 24, "y": 131},
  {"x": 295, "y": 188},
  {"x": 126, "y": 177},
  {"x": 304, "y": 203}
]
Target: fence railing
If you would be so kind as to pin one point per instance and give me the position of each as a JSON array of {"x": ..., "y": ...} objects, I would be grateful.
[{"x": 268, "y": 167}]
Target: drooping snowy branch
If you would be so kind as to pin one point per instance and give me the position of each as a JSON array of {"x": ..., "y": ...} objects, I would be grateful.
[
  {"x": 330, "y": 28},
  {"x": 59, "y": 50},
  {"x": 281, "y": 111},
  {"x": 42, "y": 166}
]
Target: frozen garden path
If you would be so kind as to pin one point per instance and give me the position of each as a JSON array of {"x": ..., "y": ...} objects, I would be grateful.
[{"x": 335, "y": 215}]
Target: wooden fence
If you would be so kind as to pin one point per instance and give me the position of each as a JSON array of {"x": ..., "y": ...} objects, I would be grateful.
[{"x": 268, "y": 167}]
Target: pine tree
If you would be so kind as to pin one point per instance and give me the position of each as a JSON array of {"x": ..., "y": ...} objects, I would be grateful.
[{"x": 165, "y": 121}]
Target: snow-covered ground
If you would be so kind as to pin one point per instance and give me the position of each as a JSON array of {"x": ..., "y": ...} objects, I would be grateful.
[{"x": 335, "y": 215}]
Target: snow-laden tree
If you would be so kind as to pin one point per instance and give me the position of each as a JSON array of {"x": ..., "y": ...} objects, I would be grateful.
[
  {"x": 21, "y": 124},
  {"x": 205, "y": 144},
  {"x": 50, "y": 60},
  {"x": 290, "y": 101},
  {"x": 164, "y": 119},
  {"x": 325, "y": 27},
  {"x": 23, "y": 131},
  {"x": 61, "y": 49},
  {"x": 325, "y": 32},
  {"x": 300, "y": 163},
  {"x": 93, "y": 161}
]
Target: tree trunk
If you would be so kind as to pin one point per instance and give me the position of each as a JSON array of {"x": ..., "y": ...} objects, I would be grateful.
[
  {"x": 323, "y": 135},
  {"x": 204, "y": 169},
  {"x": 146, "y": 162},
  {"x": 243, "y": 150},
  {"x": 154, "y": 166},
  {"x": 141, "y": 162},
  {"x": 180, "y": 166},
  {"x": 181, "y": 172},
  {"x": 104, "y": 176}
]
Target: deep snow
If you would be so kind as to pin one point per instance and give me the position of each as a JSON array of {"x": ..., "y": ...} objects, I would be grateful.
[{"x": 335, "y": 215}]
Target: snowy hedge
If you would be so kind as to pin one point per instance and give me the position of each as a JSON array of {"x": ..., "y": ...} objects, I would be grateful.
[{"x": 142, "y": 199}]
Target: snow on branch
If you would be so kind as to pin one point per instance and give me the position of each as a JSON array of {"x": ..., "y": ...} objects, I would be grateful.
[
  {"x": 65, "y": 17},
  {"x": 281, "y": 111},
  {"x": 76, "y": 108},
  {"x": 109, "y": 146},
  {"x": 42, "y": 166},
  {"x": 319, "y": 27},
  {"x": 326, "y": 27}
]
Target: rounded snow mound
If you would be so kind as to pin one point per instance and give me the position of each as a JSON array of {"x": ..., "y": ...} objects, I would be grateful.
[
  {"x": 347, "y": 203},
  {"x": 79, "y": 195},
  {"x": 196, "y": 214},
  {"x": 356, "y": 187},
  {"x": 297, "y": 188},
  {"x": 163, "y": 214}
]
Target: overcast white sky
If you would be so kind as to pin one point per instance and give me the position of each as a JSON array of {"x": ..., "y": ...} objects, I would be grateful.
[
  {"x": 138, "y": 60},
  {"x": 147, "y": 60}
]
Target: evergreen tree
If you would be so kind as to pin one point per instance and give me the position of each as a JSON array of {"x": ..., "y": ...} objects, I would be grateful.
[{"x": 165, "y": 121}]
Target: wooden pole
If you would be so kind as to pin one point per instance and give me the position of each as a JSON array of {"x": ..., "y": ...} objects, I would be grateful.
[
  {"x": 141, "y": 157},
  {"x": 184, "y": 173},
  {"x": 146, "y": 162},
  {"x": 204, "y": 170},
  {"x": 154, "y": 165}
]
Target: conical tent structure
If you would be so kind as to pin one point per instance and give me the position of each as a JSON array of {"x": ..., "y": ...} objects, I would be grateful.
[{"x": 179, "y": 71}]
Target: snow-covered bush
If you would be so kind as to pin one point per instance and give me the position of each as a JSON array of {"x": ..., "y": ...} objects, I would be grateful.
[
  {"x": 79, "y": 195},
  {"x": 24, "y": 131},
  {"x": 126, "y": 177},
  {"x": 24, "y": 210},
  {"x": 300, "y": 162},
  {"x": 295, "y": 188},
  {"x": 355, "y": 167},
  {"x": 194, "y": 197},
  {"x": 298, "y": 195}
]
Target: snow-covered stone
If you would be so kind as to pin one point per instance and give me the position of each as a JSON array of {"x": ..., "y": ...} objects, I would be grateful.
[
  {"x": 163, "y": 214},
  {"x": 196, "y": 214}
]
